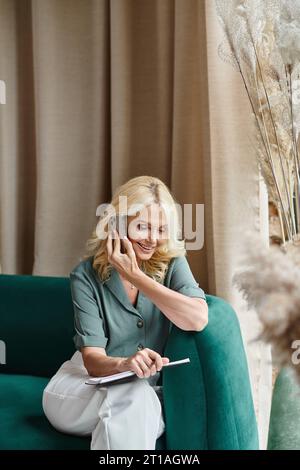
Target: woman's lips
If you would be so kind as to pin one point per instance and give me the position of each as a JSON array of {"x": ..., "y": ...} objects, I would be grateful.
[{"x": 145, "y": 248}]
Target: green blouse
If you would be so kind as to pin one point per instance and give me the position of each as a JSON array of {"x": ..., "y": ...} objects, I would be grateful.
[{"x": 104, "y": 316}]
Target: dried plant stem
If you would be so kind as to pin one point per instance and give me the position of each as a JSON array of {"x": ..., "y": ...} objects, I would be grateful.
[
  {"x": 297, "y": 204},
  {"x": 275, "y": 132},
  {"x": 269, "y": 154},
  {"x": 276, "y": 137},
  {"x": 282, "y": 228},
  {"x": 271, "y": 162},
  {"x": 295, "y": 152},
  {"x": 261, "y": 134}
]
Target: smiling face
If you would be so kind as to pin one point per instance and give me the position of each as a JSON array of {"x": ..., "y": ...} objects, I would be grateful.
[{"x": 147, "y": 231}]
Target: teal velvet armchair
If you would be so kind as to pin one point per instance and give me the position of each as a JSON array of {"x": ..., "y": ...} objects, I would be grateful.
[{"x": 207, "y": 403}]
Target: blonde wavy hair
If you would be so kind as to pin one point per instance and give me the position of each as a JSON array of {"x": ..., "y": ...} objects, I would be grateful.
[{"x": 141, "y": 190}]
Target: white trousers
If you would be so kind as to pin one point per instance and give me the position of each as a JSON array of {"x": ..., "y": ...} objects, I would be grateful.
[{"x": 120, "y": 416}]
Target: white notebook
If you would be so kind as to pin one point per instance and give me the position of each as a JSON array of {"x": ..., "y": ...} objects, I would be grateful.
[{"x": 122, "y": 375}]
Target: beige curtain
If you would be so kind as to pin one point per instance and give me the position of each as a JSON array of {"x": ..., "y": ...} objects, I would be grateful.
[{"x": 99, "y": 91}]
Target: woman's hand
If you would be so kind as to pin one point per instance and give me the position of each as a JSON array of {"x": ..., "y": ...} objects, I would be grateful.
[
  {"x": 125, "y": 263},
  {"x": 144, "y": 363}
]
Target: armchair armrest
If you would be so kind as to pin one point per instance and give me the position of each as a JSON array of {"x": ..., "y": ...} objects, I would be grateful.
[{"x": 208, "y": 403}]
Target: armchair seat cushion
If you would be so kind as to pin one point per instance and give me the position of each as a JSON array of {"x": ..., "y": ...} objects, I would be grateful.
[{"x": 23, "y": 425}]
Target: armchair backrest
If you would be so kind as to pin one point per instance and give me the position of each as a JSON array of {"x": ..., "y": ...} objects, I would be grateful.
[{"x": 36, "y": 323}]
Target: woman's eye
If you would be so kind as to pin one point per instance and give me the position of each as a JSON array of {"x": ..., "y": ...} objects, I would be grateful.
[{"x": 142, "y": 227}]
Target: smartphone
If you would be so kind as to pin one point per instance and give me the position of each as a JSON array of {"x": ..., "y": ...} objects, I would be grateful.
[{"x": 119, "y": 223}]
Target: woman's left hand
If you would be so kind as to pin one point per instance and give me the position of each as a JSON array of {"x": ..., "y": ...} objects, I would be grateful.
[{"x": 125, "y": 263}]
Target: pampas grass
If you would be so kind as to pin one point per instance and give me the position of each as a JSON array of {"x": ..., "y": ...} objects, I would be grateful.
[
  {"x": 269, "y": 279},
  {"x": 262, "y": 41}
]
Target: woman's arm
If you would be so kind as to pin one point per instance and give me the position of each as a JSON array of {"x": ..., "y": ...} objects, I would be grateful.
[
  {"x": 188, "y": 313},
  {"x": 98, "y": 364},
  {"x": 144, "y": 363}
]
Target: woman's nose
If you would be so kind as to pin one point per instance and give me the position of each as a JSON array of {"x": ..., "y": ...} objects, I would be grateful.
[{"x": 153, "y": 236}]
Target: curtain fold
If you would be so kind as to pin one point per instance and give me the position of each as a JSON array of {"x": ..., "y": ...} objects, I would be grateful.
[{"x": 99, "y": 91}]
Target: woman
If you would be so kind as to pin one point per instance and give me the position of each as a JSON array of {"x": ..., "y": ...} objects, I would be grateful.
[{"x": 126, "y": 295}]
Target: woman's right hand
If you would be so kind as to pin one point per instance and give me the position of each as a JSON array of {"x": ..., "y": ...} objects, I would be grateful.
[{"x": 144, "y": 363}]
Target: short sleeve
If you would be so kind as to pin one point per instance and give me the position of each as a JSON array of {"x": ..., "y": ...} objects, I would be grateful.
[
  {"x": 88, "y": 320},
  {"x": 182, "y": 279}
]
